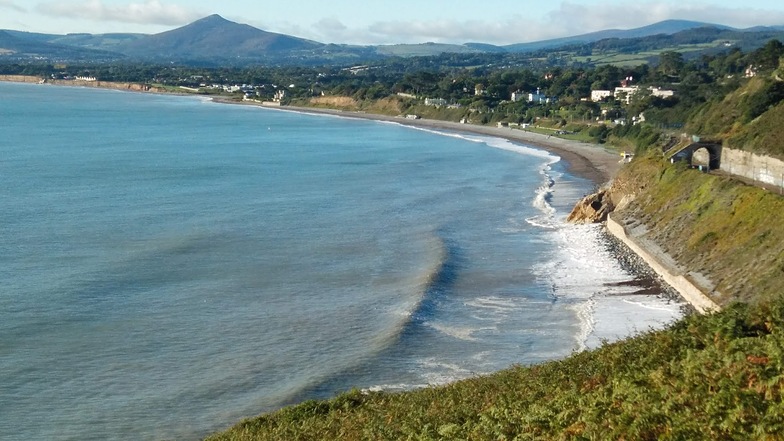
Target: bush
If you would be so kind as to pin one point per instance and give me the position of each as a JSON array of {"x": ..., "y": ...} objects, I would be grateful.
[{"x": 599, "y": 133}]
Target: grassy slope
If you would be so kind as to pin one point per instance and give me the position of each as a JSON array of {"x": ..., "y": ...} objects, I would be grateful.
[
  {"x": 750, "y": 118},
  {"x": 763, "y": 135},
  {"x": 713, "y": 225}
]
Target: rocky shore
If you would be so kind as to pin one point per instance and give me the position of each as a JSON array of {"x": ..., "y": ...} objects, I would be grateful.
[{"x": 645, "y": 276}]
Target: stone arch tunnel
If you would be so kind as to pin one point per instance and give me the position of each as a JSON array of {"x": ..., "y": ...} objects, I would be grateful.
[{"x": 688, "y": 154}]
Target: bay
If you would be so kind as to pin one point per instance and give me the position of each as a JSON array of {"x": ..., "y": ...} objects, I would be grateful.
[{"x": 171, "y": 265}]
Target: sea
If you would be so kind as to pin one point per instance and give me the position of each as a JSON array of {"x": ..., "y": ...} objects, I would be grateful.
[{"x": 170, "y": 265}]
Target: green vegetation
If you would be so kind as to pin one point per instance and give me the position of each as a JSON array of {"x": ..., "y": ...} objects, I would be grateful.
[{"x": 713, "y": 225}]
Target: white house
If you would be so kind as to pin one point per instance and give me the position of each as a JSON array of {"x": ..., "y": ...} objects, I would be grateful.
[
  {"x": 662, "y": 93},
  {"x": 625, "y": 93},
  {"x": 435, "y": 102},
  {"x": 518, "y": 96},
  {"x": 600, "y": 95}
]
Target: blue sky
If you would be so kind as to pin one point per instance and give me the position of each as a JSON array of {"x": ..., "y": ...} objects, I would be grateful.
[{"x": 384, "y": 22}]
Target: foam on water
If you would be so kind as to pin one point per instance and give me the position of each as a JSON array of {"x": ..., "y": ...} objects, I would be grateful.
[{"x": 586, "y": 277}]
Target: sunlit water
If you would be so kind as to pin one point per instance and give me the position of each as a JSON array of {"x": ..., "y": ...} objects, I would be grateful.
[{"x": 170, "y": 265}]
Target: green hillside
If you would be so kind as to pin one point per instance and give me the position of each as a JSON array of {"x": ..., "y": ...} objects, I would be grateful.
[{"x": 749, "y": 118}]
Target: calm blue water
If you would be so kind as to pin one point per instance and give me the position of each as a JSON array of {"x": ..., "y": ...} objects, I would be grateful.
[{"x": 170, "y": 265}]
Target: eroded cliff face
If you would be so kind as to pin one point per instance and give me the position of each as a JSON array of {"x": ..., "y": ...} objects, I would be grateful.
[
  {"x": 20, "y": 78},
  {"x": 592, "y": 209},
  {"x": 134, "y": 87},
  {"x": 614, "y": 195}
]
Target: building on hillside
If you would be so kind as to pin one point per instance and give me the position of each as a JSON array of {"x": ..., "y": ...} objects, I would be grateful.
[
  {"x": 661, "y": 93},
  {"x": 624, "y": 93},
  {"x": 435, "y": 102},
  {"x": 537, "y": 97},
  {"x": 518, "y": 96},
  {"x": 601, "y": 95}
]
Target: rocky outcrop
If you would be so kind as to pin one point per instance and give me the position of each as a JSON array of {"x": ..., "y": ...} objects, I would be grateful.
[
  {"x": 615, "y": 195},
  {"x": 593, "y": 208}
]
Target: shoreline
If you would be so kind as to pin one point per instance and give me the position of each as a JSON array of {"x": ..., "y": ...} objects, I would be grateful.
[{"x": 590, "y": 161}]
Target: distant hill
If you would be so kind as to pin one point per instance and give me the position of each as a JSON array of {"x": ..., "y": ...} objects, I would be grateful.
[
  {"x": 109, "y": 42},
  {"x": 426, "y": 49},
  {"x": 667, "y": 27},
  {"x": 16, "y": 45},
  {"x": 214, "y": 37}
]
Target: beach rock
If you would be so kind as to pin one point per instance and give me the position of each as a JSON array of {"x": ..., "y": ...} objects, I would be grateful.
[{"x": 593, "y": 208}]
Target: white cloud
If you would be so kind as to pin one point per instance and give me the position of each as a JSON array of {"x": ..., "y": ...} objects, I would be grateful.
[
  {"x": 9, "y": 4},
  {"x": 330, "y": 25},
  {"x": 150, "y": 12},
  {"x": 568, "y": 19}
]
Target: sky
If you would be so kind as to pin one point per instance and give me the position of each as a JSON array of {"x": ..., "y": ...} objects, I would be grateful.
[{"x": 385, "y": 22}]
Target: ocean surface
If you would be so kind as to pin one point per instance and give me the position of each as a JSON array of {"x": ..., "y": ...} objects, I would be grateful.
[{"x": 170, "y": 265}]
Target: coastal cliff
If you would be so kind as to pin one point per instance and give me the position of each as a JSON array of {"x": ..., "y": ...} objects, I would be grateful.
[
  {"x": 20, "y": 78},
  {"x": 132, "y": 87}
]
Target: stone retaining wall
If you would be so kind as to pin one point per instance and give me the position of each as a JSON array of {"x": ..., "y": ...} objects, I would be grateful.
[
  {"x": 749, "y": 165},
  {"x": 671, "y": 275}
]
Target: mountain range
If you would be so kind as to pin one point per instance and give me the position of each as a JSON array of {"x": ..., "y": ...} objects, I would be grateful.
[{"x": 215, "y": 40}]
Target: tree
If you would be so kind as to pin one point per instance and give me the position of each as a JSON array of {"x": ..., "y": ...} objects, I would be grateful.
[
  {"x": 767, "y": 57},
  {"x": 670, "y": 63}
]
